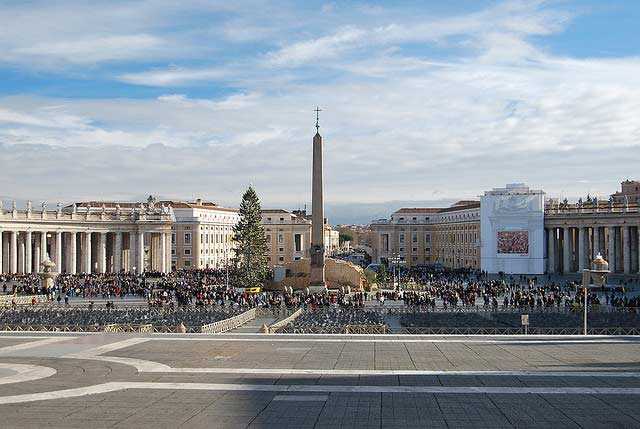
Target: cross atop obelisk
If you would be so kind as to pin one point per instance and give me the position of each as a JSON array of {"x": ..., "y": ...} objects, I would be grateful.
[
  {"x": 318, "y": 110},
  {"x": 317, "y": 275}
]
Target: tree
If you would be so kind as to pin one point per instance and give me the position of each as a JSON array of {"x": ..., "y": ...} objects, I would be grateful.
[
  {"x": 345, "y": 236},
  {"x": 250, "y": 261}
]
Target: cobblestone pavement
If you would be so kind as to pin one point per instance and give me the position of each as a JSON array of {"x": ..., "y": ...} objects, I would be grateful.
[{"x": 255, "y": 380}]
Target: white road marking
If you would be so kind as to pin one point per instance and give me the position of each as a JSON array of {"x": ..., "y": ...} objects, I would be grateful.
[
  {"x": 108, "y": 347},
  {"x": 118, "y": 386},
  {"x": 301, "y": 398},
  {"x": 340, "y": 338},
  {"x": 32, "y": 344},
  {"x": 364, "y": 338},
  {"x": 25, "y": 372},
  {"x": 382, "y": 372}
]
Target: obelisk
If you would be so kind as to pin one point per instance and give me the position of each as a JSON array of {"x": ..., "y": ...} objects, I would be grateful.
[{"x": 317, "y": 276}]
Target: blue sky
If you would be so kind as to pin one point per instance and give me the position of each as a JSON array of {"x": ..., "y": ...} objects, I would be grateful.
[{"x": 423, "y": 100}]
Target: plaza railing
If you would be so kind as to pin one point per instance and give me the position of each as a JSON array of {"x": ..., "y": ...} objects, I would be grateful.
[
  {"x": 230, "y": 323},
  {"x": 275, "y": 327},
  {"x": 119, "y": 327},
  {"x": 7, "y": 300}
]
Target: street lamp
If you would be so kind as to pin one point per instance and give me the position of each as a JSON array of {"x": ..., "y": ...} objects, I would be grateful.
[
  {"x": 595, "y": 278},
  {"x": 395, "y": 260}
]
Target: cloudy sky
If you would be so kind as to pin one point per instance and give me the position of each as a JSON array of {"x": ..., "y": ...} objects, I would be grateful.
[{"x": 422, "y": 100}]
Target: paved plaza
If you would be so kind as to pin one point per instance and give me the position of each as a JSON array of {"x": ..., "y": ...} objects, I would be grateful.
[{"x": 254, "y": 380}]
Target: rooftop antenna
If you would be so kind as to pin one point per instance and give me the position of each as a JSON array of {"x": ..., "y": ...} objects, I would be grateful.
[{"x": 318, "y": 110}]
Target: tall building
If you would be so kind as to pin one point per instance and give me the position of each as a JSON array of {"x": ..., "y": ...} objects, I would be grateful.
[
  {"x": 288, "y": 235},
  {"x": 202, "y": 235},
  {"x": 318, "y": 250},
  {"x": 87, "y": 237},
  {"x": 629, "y": 192},
  {"x": 515, "y": 230},
  {"x": 428, "y": 235}
]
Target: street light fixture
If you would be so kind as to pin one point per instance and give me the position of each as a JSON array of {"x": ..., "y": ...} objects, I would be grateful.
[{"x": 595, "y": 278}]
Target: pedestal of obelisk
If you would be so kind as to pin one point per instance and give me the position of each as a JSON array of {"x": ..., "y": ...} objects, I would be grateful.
[{"x": 317, "y": 276}]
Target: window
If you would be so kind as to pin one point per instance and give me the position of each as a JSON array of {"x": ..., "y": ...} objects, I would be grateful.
[
  {"x": 414, "y": 237},
  {"x": 281, "y": 259},
  {"x": 298, "y": 242},
  {"x": 187, "y": 263},
  {"x": 401, "y": 238},
  {"x": 187, "y": 251},
  {"x": 281, "y": 249},
  {"x": 173, "y": 238},
  {"x": 280, "y": 238},
  {"x": 173, "y": 252},
  {"x": 268, "y": 237},
  {"x": 187, "y": 238}
]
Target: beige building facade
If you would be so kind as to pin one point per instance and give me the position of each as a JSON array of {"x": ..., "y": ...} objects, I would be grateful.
[
  {"x": 429, "y": 235},
  {"x": 574, "y": 233},
  {"x": 202, "y": 235},
  {"x": 288, "y": 236},
  {"x": 87, "y": 237}
]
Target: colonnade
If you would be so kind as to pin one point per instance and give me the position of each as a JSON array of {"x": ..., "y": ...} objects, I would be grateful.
[
  {"x": 570, "y": 249},
  {"x": 23, "y": 251}
]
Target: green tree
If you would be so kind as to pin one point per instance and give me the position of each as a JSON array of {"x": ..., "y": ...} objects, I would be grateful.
[
  {"x": 345, "y": 236},
  {"x": 250, "y": 261}
]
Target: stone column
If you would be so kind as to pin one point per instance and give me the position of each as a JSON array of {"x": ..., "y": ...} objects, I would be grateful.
[
  {"x": 133, "y": 253},
  {"x": 140, "y": 252},
  {"x": 582, "y": 255},
  {"x": 117, "y": 252},
  {"x": 13, "y": 251},
  {"x": 551, "y": 250},
  {"x": 317, "y": 269},
  {"x": 102, "y": 253},
  {"x": 596, "y": 241},
  {"x": 168, "y": 252},
  {"x": 21, "y": 254},
  {"x": 566, "y": 250},
  {"x": 163, "y": 252},
  {"x": 638, "y": 248},
  {"x": 36, "y": 258},
  {"x": 58, "y": 258},
  {"x": 611, "y": 249},
  {"x": 626, "y": 249},
  {"x": 43, "y": 245},
  {"x": 72, "y": 252},
  {"x": 1, "y": 252},
  {"x": 87, "y": 253},
  {"x": 28, "y": 246}
]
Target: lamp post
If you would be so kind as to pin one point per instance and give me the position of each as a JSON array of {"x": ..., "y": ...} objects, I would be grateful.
[
  {"x": 596, "y": 276},
  {"x": 395, "y": 260}
]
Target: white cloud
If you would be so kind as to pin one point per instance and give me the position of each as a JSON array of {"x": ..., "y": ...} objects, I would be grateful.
[
  {"x": 93, "y": 50},
  {"x": 318, "y": 49},
  {"x": 398, "y": 123},
  {"x": 173, "y": 77}
]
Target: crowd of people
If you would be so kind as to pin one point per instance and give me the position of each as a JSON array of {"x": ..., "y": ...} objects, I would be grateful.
[
  {"x": 423, "y": 289},
  {"x": 334, "y": 319},
  {"x": 451, "y": 289}
]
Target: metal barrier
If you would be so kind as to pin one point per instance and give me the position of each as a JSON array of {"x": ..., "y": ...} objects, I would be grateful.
[
  {"x": 52, "y": 328},
  {"x": 516, "y": 331},
  {"x": 230, "y": 323},
  {"x": 6, "y": 300},
  {"x": 365, "y": 329},
  {"x": 282, "y": 323},
  {"x": 116, "y": 327}
]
